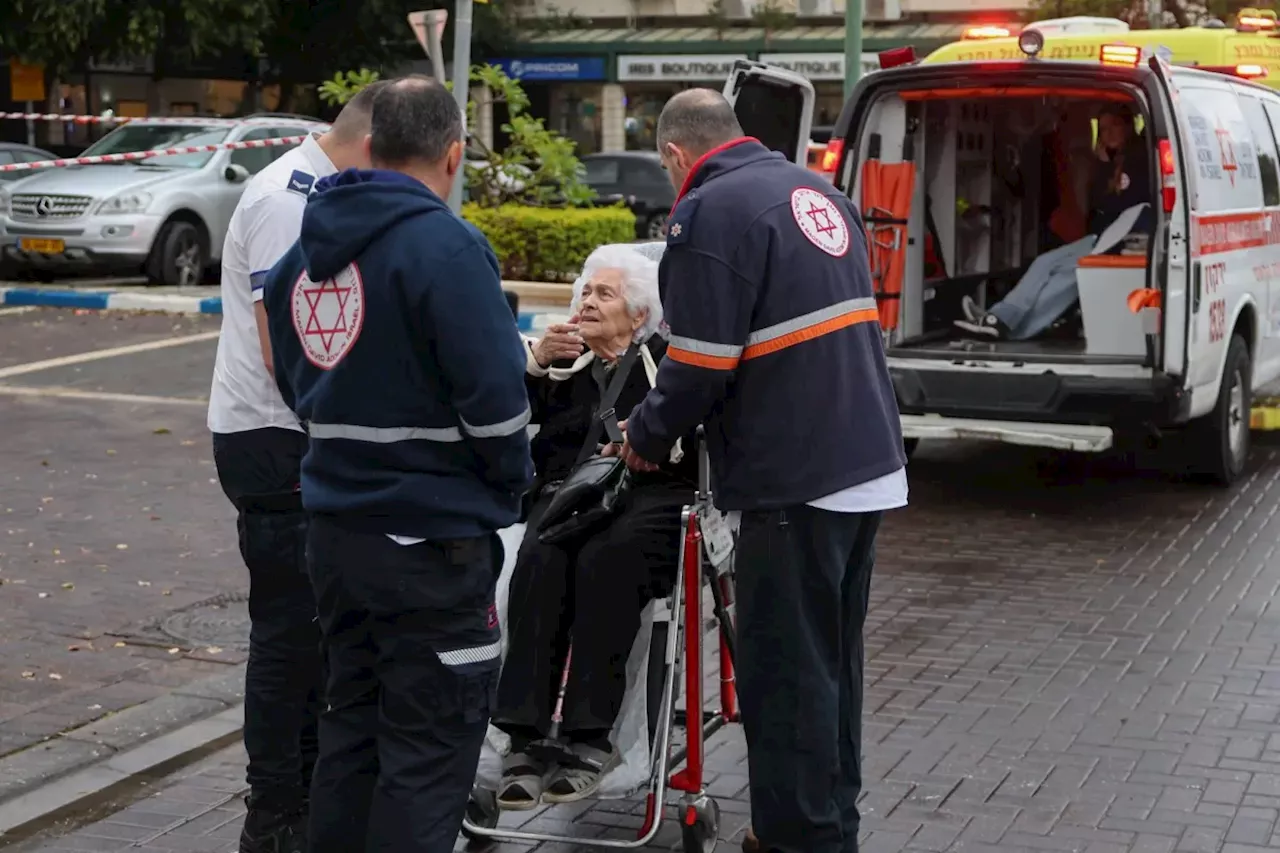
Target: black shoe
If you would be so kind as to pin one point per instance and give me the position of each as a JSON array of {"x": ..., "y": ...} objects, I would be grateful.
[
  {"x": 267, "y": 831},
  {"x": 989, "y": 327}
]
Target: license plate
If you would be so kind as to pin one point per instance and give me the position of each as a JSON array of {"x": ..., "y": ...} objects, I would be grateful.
[
  {"x": 42, "y": 245},
  {"x": 717, "y": 534}
]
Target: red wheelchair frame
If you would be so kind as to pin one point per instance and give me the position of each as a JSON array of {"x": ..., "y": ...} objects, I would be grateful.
[{"x": 698, "y": 813}]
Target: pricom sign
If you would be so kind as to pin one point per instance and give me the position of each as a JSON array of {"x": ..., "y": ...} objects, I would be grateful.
[{"x": 676, "y": 68}]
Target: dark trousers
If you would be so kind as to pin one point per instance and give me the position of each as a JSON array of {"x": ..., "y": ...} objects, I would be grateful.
[
  {"x": 413, "y": 647},
  {"x": 803, "y": 577},
  {"x": 596, "y": 593},
  {"x": 259, "y": 471}
]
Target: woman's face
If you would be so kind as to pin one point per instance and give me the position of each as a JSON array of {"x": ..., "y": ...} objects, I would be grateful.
[
  {"x": 1113, "y": 131},
  {"x": 603, "y": 320}
]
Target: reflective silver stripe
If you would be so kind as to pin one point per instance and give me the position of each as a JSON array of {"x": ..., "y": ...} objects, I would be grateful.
[
  {"x": 705, "y": 348},
  {"x": 477, "y": 654},
  {"x": 510, "y": 426},
  {"x": 813, "y": 318},
  {"x": 383, "y": 435}
]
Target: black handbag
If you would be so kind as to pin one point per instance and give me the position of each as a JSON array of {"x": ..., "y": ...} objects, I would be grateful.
[{"x": 594, "y": 492}]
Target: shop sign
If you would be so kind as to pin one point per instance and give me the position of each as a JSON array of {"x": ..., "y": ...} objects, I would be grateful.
[
  {"x": 676, "y": 68},
  {"x": 575, "y": 68},
  {"x": 819, "y": 66}
]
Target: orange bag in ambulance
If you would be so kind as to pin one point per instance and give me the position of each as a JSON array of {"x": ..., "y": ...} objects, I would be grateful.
[{"x": 977, "y": 181}]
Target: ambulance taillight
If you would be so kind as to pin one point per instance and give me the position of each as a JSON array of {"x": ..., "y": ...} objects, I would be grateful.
[
  {"x": 831, "y": 156},
  {"x": 1120, "y": 55},
  {"x": 1168, "y": 188}
]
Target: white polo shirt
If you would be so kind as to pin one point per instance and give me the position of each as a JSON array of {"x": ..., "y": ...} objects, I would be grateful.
[{"x": 266, "y": 223}]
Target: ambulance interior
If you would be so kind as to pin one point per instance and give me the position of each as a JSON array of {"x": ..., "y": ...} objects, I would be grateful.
[{"x": 1001, "y": 178}]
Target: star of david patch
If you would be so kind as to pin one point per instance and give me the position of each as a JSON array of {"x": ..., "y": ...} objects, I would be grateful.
[
  {"x": 820, "y": 221},
  {"x": 328, "y": 315}
]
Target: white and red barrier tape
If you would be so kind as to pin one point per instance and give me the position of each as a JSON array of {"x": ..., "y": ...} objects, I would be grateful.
[
  {"x": 75, "y": 119},
  {"x": 158, "y": 152}
]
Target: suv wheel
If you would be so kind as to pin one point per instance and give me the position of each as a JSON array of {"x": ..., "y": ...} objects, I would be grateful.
[
  {"x": 655, "y": 227},
  {"x": 178, "y": 257}
]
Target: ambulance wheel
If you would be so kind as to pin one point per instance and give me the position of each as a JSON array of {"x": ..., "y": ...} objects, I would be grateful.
[
  {"x": 482, "y": 812},
  {"x": 1220, "y": 439},
  {"x": 909, "y": 446},
  {"x": 700, "y": 826}
]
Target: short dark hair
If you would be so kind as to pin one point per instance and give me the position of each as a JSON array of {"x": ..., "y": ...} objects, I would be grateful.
[
  {"x": 698, "y": 120},
  {"x": 357, "y": 115},
  {"x": 415, "y": 119}
]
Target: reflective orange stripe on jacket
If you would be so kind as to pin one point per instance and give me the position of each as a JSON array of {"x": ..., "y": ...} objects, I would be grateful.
[{"x": 774, "y": 338}]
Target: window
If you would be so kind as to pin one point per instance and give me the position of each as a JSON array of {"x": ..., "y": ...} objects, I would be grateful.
[
  {"x": 147, "y": 137},
  {"x": 255, "y": 159},
  {"x": 6, "y": 157},
  {"x": 281, "y": 132},
  {"x": 1265, "y": 144},
  {"x": 601, "y": 172},
  {"x": 643, "y": 173}
]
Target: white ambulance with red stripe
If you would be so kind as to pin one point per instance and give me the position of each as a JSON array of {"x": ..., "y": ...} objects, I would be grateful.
[{"x": 976, "y": 180}]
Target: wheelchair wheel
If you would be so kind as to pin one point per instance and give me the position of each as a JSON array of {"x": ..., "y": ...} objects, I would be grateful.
[
  {"x": 482, "y": 811},
  {"x": 701, "y": 835}
]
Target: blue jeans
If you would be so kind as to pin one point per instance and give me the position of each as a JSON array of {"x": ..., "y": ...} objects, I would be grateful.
[{"x": 1045, "y": 291}]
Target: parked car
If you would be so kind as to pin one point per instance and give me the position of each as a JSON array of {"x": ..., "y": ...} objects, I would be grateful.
[
  {"x": 165, "y": 216},
  {"x": 637, "y": 178},
  {"x": 14, "y": 152}
]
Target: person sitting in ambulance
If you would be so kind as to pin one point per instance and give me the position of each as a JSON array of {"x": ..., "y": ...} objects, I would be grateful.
[
  {"x": 1121, "y": 179},
  {"x": 591, "y": 592}
]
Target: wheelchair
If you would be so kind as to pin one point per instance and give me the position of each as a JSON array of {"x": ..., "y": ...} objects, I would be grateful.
[{"x": 677, "y": 643}]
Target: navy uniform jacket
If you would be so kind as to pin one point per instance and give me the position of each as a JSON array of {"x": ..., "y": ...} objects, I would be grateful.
[{"x": 775, "y": 342}]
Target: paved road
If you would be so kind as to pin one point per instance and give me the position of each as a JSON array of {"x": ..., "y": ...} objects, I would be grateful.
[{"x": 1064, "y": 653}]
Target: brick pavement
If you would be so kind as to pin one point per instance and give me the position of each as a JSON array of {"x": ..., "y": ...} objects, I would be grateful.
[
  {"x": 109, "y": 516},
  {"x": 1062, "y": 655}
]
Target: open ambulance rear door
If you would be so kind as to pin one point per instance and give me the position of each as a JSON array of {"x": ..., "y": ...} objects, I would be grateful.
[{"x": 773, "y": 105}]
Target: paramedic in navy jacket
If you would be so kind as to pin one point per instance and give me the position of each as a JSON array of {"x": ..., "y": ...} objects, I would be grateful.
[
  {"x": 394, "y": 344},
  {"x": 775, "y": 345}
]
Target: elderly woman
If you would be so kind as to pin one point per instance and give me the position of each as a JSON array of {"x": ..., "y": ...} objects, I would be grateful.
[{"x": 595, "y": 589}]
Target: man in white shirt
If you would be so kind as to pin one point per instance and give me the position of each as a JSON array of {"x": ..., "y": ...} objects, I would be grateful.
[{"x": 258, "y": 447}]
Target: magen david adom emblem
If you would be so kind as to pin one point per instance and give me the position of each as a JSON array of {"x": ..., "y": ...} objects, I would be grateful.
[
  {"x": 328, "y": 315},
  {"x": 820, "y": 221}
]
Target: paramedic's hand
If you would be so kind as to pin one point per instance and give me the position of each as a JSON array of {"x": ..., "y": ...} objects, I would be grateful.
[
  {"x": 561, "y": 341},
  {"x": 629, "y": 456}
]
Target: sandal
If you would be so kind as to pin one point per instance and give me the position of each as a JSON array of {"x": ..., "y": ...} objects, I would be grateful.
[
  {"x": 521, "y": 787},
  {"x": 581, "y": 778}
]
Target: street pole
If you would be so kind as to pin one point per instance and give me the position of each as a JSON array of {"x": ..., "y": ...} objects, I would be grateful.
[
  {"x": 31, "y": 124},
  {"x": 1155, "y": 14},
  {"x": 853, "y": 45},
  {"x": 461, "y": 85}
]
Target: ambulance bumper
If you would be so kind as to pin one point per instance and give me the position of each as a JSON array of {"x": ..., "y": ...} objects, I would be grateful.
[{"x": 1043, "y": 410}]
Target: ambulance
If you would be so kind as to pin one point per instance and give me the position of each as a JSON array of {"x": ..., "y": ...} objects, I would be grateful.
[{"x": 973, "y": 175}]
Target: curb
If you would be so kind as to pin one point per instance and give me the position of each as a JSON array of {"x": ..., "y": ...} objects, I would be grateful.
[
  {"x": 92, "y": 761},
  {"x": 108, "y": 300}
]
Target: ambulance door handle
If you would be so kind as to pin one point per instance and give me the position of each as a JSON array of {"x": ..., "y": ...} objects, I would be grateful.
[{"x": 1195, "y": 288}]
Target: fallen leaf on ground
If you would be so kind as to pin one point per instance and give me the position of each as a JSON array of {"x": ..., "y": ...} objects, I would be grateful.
[
  {"x": 42, "y": 595},
  {"x": 122, "y": 547},
  {"x": 144, "y": 583},
  {"x": 54, "y": 676},
  {"x": 166, "y": 592},
  {"x": 214, "y": 650},
  {"x": 45, "y": 500},
  {"x": 68, "y": 586},
  {"x": 111, "y": 453},
  {"x": 161, "y": 431},
  {"x": 174, "y": 650},
  {"x": 188, "y": 443},
  {"x": 121, "y": 644},
  {"x": 28, "y": 674},
  {"x": 73, "y": 648}
]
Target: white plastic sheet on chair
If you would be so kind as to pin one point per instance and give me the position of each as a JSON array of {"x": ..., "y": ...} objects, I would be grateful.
[{"x": 630, "y": 731}]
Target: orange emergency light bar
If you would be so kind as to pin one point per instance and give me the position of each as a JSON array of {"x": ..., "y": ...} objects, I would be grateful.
[
  {"x": 1122, "y": 55},
  {"x": 986, "y": 31},
  {"x": 1245, "y": 72},
  {"x": 1256, "y": 19}
]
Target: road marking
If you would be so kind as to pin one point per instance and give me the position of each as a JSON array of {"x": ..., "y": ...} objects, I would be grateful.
[
  {"x": 19, "y": 309},
  {"x": 97, "y": 355},
  {"x": 101, "y": 396}
]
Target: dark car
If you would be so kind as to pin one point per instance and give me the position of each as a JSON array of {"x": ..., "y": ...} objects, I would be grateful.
[
  {"x": 14, "y": 152},
  {"x": 638, "y": 179}
]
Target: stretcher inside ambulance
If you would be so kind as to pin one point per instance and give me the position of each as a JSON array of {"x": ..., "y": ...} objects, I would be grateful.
[{"x": 980, "y": 185}]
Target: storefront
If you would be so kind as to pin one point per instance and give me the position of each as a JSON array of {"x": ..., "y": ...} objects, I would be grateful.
[
  {"x": 649, "y": 82},
  {"x": 565, "y": 91}
]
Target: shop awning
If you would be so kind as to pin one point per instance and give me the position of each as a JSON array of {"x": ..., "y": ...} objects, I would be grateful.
[{"x": 737, "y": 40}]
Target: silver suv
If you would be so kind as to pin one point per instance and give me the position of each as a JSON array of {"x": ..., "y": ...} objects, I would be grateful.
[{"x": 163, "y": 216}]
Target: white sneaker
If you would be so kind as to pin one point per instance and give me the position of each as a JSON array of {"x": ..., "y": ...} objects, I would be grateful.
[{"x": 972, "y": 312}]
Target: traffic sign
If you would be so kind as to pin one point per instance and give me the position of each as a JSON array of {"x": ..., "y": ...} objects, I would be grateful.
[{"x": 26, "y": 82}]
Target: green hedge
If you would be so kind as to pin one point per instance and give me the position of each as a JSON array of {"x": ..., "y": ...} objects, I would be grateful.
[{"x": 549, "y": 243}]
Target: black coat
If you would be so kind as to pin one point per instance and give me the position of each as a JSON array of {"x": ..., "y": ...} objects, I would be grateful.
[{"x": 563, "y": 410}]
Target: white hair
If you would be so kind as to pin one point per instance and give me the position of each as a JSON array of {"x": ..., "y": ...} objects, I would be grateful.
[{"x": 640, "y": 281}]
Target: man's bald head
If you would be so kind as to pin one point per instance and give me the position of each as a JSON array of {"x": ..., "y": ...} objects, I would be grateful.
[
  {"x": 697, "y": 120},
  {"x": 352, "y": 124}
]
